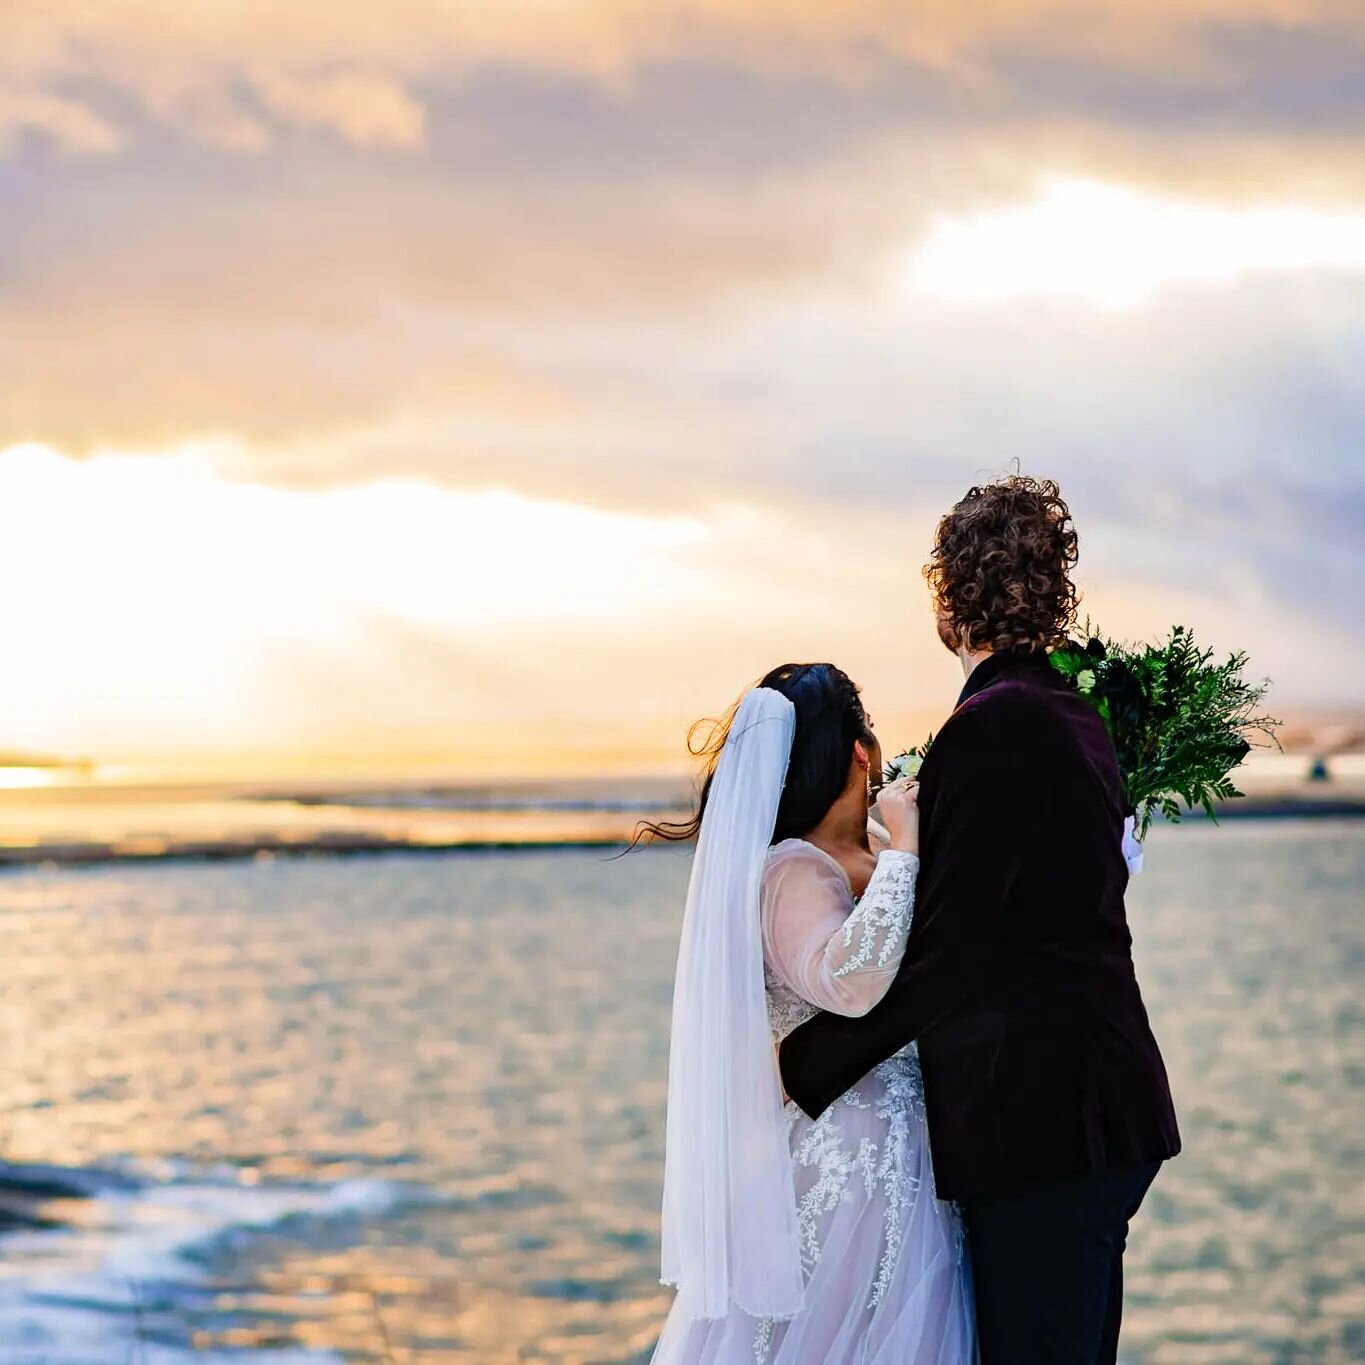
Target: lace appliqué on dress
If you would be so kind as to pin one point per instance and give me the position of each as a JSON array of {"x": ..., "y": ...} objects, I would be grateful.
[
  {"x": 786, "y": 1009},
  {"x": 823, "y": 1149},
  {"x": 873, "y": 936},
  {"x": 902, "y": 1098},
  {"x": 875, "y": 933},
  {"x": 883, "y": 1166}
]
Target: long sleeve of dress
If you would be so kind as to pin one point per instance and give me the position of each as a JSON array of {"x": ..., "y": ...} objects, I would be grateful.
[{"x": 833, "y": 955}]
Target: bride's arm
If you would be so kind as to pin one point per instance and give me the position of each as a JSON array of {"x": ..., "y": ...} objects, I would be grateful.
[{"x": 837, "y": 961}]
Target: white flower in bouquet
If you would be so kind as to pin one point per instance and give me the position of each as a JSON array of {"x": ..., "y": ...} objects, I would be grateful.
[
  {"x": 906, "y": 765},
  {"x": 903, "y": 766}
]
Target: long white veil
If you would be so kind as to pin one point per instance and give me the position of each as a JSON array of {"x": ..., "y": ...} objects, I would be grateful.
[{"x": 730, "y": 1237}]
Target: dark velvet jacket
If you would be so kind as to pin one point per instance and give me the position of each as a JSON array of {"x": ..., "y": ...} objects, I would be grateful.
[{"x": 1039, "y": 1063}]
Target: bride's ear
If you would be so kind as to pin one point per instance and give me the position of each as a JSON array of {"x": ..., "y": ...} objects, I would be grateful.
[{"x": 861, "y": 755}]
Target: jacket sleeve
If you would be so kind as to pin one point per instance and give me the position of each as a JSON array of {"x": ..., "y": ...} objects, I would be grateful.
[{"x": 978, "y": 818}]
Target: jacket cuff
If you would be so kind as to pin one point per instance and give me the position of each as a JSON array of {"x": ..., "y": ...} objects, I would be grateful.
[{"x": 809, "y": 1098}]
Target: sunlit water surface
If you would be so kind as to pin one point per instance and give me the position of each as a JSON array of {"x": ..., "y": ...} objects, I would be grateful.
[{"x": 411, "y": 1107}]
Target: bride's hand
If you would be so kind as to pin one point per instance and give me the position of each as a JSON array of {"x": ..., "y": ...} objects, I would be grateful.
[{"x": 899, "y": 806}]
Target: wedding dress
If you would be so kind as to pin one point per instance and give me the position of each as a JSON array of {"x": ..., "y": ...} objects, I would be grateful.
[{"x": 886, "y": 1278}]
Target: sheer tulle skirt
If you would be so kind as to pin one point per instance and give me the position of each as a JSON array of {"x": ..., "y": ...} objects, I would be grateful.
[{"x": 888, "y": 1281}]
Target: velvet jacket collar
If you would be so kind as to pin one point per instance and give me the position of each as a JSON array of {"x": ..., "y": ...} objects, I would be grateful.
[{"x": 999, "y": 666}]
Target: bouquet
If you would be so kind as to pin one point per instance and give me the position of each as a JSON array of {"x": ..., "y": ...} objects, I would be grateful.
[
  {"x": 1181, "y": 723},
  {"x": 908, "y": 762}
]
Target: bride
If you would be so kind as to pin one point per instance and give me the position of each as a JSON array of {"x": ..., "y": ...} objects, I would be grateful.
[{"x": 793, "y": 1241}]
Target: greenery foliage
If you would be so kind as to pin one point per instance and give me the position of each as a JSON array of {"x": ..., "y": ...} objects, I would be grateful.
[{"x": 1180, "y": 722}]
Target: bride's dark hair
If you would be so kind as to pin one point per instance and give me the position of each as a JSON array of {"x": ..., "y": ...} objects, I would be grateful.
[{"x": 829, "y": 720}]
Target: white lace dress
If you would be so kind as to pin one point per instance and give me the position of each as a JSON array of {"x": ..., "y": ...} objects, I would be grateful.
[{"x": 887, "y": 1281}]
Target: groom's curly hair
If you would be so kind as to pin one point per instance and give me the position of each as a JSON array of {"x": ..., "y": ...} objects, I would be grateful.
[{"x": 1001, "y": 567}]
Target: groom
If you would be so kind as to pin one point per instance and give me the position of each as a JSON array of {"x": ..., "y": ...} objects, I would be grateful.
[{"x": 1049, "y": 1111}]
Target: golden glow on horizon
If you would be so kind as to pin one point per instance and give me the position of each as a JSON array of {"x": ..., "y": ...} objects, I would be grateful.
[
  {"x": 168, "y": 621},
  {"x": 20, "y": 778},
  {"x": 1117, "y": 246},
  {"x": 165, "y": 605},
  {"x": 170, "y": 527}
]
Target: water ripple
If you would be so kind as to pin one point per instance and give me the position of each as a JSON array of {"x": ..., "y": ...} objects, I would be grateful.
[{"x": 412, "y": 1107}]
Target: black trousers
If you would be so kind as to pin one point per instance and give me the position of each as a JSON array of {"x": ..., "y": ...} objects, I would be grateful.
[{"x": 1048, "y": 1269}]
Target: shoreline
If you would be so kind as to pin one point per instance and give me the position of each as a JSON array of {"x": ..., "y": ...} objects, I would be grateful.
[
  {"x": 614, "y": 833},
  {"x": 268, "y": 850}
]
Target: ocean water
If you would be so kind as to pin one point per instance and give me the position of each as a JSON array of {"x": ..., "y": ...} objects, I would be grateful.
[{"x": 410, "y": 1107}]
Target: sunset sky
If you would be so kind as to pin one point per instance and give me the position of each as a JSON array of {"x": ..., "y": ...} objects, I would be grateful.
[{"x": 479, "y": 386}]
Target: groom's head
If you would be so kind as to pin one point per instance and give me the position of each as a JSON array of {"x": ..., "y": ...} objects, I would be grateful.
[{"x": 1001, "y": 568}]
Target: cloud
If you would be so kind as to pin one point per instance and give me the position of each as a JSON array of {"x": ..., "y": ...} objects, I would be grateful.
[
  {"x": 1114, "y": 246},
  {"x": 362, "y": 74},
  {"x": 655, "y": 259},
  {"x": 284, "y": 299},
  {"x": 72, "y": 126},
  {"x": 366, "y": 109}
]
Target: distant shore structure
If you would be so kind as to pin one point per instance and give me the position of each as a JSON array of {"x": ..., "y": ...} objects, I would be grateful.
[{"x": 1320, "y": 743}]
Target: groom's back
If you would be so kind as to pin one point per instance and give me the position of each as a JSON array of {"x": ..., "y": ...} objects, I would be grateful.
[
  {"x": 1017, "y": 980},
  {"x": 1046, "y": 1065}
]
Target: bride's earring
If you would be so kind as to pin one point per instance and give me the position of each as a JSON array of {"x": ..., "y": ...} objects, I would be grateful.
[{"x": 872, "y": 788}]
